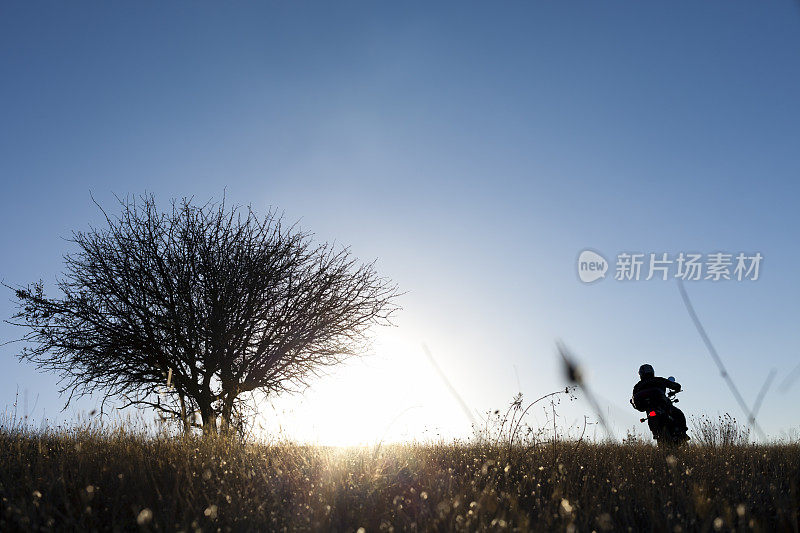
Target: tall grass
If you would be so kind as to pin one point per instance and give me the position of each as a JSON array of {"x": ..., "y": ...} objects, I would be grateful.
[
  {"x": 101, "y": 479},
  {"x": 724, "y": 431}
]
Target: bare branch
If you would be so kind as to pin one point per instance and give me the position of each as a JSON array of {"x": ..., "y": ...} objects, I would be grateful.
[{"x": 228, "y": 301}]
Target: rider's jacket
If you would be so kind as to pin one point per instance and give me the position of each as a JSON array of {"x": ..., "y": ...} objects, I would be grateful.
[{"x": 649, "y": 393}]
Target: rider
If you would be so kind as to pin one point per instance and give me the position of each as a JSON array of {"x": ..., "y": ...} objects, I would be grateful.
[{"x": 651, "y": 391}]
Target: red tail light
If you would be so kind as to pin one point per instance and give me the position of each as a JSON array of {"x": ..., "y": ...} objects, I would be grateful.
[{"x": 651, "y": 413}]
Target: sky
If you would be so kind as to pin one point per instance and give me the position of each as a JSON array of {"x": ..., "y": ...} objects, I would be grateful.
[{"x": 473, "y": 149}]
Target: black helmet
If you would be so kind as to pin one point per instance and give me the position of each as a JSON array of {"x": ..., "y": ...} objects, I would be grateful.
[{"x": 646, "y": 371}]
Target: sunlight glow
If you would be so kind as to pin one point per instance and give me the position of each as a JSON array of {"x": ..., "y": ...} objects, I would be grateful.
[{"x": 393, "y": 395}]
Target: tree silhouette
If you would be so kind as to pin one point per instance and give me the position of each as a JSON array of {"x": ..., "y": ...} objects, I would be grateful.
[{"x": 186, "y": 310}]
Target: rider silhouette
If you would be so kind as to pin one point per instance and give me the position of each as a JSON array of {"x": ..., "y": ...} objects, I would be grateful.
[{"x": 651, "y": 392}]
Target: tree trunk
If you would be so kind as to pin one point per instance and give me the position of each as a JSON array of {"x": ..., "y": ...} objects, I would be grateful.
[
  {"x": 227, "y": 411},
  {"x": 209, "y": 419}
]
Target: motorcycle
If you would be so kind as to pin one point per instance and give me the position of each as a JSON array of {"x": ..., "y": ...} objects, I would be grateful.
[{"x": 665, "y": 429}]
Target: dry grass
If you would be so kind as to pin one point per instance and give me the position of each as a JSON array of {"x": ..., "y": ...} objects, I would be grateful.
[
  {"x": 724, "y": 431},
  {"x": 89, "y": 479}
]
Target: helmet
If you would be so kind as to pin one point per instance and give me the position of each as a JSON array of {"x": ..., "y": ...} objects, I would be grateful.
[{"x": 646, "y": 371}]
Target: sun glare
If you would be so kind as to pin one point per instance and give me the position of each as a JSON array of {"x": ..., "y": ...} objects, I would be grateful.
[{"x": 392, "y": 396}]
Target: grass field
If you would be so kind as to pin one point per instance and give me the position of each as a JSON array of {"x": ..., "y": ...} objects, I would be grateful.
[{"x": 95, "y": 480}]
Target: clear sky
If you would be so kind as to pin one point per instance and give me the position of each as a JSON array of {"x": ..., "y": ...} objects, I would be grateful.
[{"x": 474, "y": 149}]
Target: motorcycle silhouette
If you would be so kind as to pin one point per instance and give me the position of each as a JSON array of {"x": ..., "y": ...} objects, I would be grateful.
[{"x": 665, "y": 429}]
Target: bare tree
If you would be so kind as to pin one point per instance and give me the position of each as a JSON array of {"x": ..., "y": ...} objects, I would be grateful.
[{"x": 186, "y": 310}]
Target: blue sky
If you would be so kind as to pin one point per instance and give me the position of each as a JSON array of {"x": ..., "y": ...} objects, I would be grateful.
[{"x": 474, "y": 149}]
